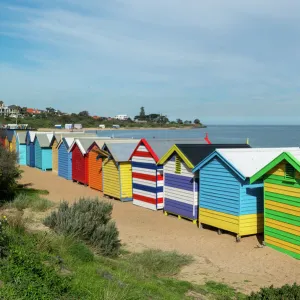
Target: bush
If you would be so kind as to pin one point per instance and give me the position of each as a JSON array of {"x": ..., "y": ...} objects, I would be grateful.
[
  {"x": 160, "y": 262},
  {"x": 90, "y": 221},
  {"x": 3, "y": 237},
  {"x": 34, "y": 201},
  {"x": 9, "y": 173},
  {"x": 287, "y": 292}
]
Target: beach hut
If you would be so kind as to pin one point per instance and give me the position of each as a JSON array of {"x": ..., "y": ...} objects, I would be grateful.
[
  {"x": 21, "y": 147},
  {"x": 227, "y": 199},
  {"x": 95, "y": 162},
  {"x": 147, "y": 175},
  {"x": 181, "y": 185},
  {"x": 65, "y": 158},
  {"x": 117, "y": 172},
  {"x": 11, "y": 140},
  {"x": 30, "y": 153},
  {"x": 43, "y": 151},
  {"x": 57, "y": 137},
  {"x": 80, "y": 163},
  {"x": 281, "y": 179},
  {"x": 2, "y": 137}
]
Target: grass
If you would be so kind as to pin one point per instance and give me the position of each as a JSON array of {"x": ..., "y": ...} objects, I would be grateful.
[
  {"x": 80, "y": 274},
  {"x": 32, "y": 201},
  {"x": 159, "y": 262}
]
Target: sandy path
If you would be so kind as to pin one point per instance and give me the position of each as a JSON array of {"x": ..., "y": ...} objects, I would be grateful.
[{"x": 218, "y": 258}]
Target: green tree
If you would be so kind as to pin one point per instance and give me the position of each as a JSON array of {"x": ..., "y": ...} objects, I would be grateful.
[
  {"x": 9, "y": 173},
  {"x": 142, "y": 113},
  {"x": 179, "y": 121},
  {"x": 197, "y": 121},
  {"x": 84, "y": 113}
]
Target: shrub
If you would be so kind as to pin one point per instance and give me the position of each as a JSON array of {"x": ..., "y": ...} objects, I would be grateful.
[
  {"x": 34, "y": 201},
  {"x": 90, "y": 221},
  {"x": 9, "y": 173},
  {"x": 286, "y": 292},
  {"x": 3, "y": 238},
  {"x": 160, "y": 262}
]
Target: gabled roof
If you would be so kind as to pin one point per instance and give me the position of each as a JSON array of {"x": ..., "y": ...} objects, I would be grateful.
[
  {"x": 120, "y": 152},
  {"x": 59, "y": 135},
  {"x": 31, "y": 135},
  {"x": 21, "y": 136},
  {"x": 85, "y": 143},
  {"x": 192, "y": 154},
  {"x": 245, "y": 162},
  {"x": 10, "y": 134},
  {"x": 44, "y": 139},
  {"x": 292, "y": 157},
  {"x": 158, "y": 147}
]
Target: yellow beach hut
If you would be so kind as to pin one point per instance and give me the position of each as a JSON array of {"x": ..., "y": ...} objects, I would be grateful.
[{"x": 117, "y": 170}]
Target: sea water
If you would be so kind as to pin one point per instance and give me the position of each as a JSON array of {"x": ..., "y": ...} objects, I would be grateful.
[{"x": 259, "y": 136}]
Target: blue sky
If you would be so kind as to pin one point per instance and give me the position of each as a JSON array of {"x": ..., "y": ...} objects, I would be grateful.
[{"x": 225, "y": 62}]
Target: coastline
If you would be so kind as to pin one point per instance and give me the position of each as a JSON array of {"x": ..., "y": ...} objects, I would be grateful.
[{"x": 122, "y": 128}]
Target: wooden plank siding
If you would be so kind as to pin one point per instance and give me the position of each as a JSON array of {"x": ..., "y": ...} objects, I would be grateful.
[
  {"x": 227, "y": 202},
  {"x": 95, "y": 169},
  {"x": 282, "y": 211},
  {"x": 111, "y": 179},
  {"x": 43, "y": 156},
  {"x": 147, "y": 183},
  {"x": 180, "y": 190},
  {"x": 125, "y": 181},
  {"x": 64, "y": 162},
  {"x": 55, "y": 156},
  {"x": 79, "y": 166}
]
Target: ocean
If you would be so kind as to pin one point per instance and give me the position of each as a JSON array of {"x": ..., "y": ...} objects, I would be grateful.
[{"x": 259, "y": 136}]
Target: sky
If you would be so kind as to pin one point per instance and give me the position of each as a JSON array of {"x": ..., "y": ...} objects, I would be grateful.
[{"x": 224, "y": 62}]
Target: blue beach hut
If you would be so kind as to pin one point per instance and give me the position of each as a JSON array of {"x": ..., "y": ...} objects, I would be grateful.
[
  {"x": 21, "y": 147},
  {"x": 65, "y": 158},
  {"x": 30, "y": 151},
  {"x": 43, "y": 151},
  {"x": 227, "y": 200}
]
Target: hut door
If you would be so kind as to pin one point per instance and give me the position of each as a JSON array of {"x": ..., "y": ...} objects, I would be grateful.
[{"x": 161, "y": 180}]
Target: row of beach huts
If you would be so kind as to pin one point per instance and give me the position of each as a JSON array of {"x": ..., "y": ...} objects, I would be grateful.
[{"x": 230, "y": 187}]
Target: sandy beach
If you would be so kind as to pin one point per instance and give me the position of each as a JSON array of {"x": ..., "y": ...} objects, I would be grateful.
[{"x": 242, "y": 265}]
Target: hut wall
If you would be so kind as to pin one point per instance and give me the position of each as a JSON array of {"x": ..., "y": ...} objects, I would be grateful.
[
  {"x": 227, "y": 202},
  {"x": 111, "y": 179},
  {"x": 38, "y": 154},
  {"x": 22, "y": 154},
  {"x": 282, "y": 212},
  {"x": 55, "y": 156},
  {"x": 13, "y": 144},
  {"x": 64, "y": 162},
  {"x": 46, "y": 159},
  {"x": 79, "y": 166},
  {"x": 126, "y": 181},
  {"x": 180, "y": 189},
  {"x": 147, "y": 183},
  {"x": 95, "y": 169}
]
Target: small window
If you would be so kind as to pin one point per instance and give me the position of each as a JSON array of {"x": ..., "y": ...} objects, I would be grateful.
[
  {"x": 177, "y": 165},
  {"x": 289, "y": 172}
]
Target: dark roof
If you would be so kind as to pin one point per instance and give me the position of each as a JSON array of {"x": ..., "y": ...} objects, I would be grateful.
[{"x": 195, "y": 153}]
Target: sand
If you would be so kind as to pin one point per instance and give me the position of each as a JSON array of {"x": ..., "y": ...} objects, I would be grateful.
[{"x": 242, "y": 265}]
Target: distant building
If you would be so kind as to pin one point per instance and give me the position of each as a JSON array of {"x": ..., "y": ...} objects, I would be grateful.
[
  {"x": 33, "y": 111},
  {"x": 121, "y": 117},
  {"x": 8, "y": 110}
]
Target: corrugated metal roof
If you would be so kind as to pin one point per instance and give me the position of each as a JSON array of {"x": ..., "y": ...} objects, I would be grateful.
[
  {"x": 44, "y": 139},
  {"x": 196, "y": 153},
  {"x": 22, "y": 137},
  {"x": 59, "y": 135},
  {"x": 249, "y": 161},
  {"x": 84, "y": 143},
  {"x": 121, "y": 151},
  {"x": 160, "y": 147}
]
